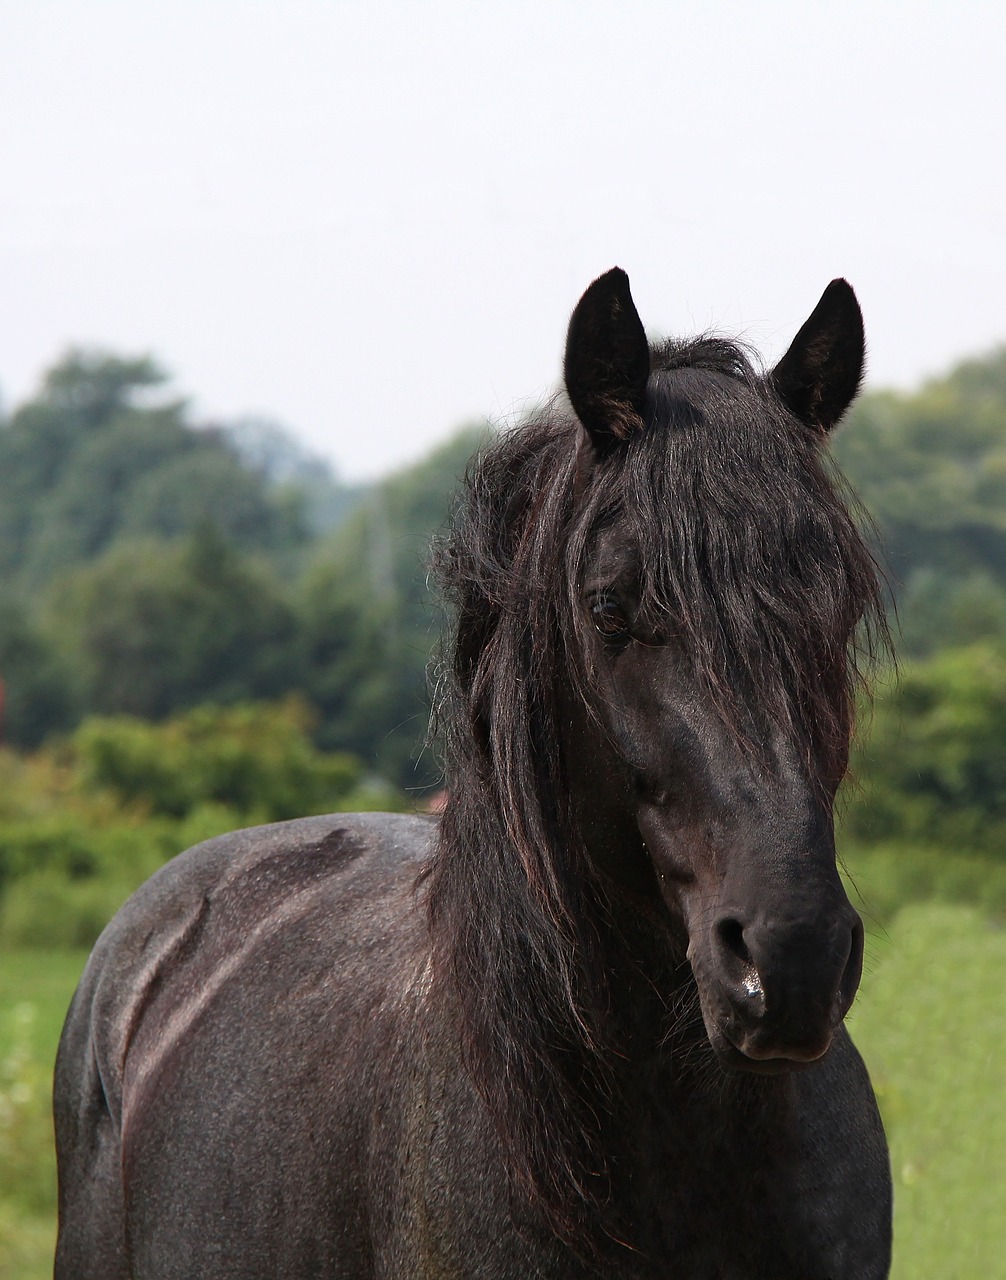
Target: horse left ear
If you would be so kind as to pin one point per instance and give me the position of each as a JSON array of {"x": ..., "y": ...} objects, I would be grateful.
[
  {"x": 607, "y": 361},
  {"x": 818, "y": 377}
]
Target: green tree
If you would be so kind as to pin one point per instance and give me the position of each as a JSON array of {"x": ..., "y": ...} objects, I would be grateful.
[
  {"x": 37, "y": 690},
  {"x": 89, "y": 462},
  {"x": 256, "y": 759},
  {"x": 370, "y": 622},
  {"x": 940, "y": 610},
  {"x": 933, "y": 763},
  {"x": 930, "y": 466},
  {"x": 38, "y": 445},
  {"x": 156, "y": 627}
]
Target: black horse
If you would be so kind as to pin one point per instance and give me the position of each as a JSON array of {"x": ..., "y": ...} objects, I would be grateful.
[{"x": 589, "y": 1023}]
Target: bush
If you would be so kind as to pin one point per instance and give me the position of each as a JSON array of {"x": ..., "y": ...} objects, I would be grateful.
[
  {"x": 47, "y": 912},
  {"x": 933, "y": 766},
  {"x": 256, "y": 759},
  {"x": 84, "y": 824}
]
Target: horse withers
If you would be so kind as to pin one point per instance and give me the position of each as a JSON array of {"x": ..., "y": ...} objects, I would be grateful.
[{"x": 589, "y": 1022}]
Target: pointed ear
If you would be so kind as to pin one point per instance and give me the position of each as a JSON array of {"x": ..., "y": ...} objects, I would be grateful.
[
  {"x": 819, "y": 375},
  {"x": 607, "y": 361}
]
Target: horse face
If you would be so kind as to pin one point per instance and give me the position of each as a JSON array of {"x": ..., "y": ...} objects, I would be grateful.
[
  {"x": 737, "y": 838},
  {"x": 727, "y": 816}
]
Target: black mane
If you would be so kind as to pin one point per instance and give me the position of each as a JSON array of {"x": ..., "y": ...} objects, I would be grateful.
[{"x": 754, "y": 567}]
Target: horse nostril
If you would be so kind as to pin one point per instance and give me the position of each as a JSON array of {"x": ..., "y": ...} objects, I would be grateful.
[
  {"x": 731, "y": 935},
  {"x": 738, "y": 962}
]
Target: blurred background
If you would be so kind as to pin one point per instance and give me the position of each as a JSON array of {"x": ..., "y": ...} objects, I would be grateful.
[{"x": 272, "y": 271}]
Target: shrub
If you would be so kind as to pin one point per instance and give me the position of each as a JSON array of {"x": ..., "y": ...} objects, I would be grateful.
[
  {"x": 933, "y": 765},
  {"x": 84, "y": 824},
  {"x": 256, "y": 759}
]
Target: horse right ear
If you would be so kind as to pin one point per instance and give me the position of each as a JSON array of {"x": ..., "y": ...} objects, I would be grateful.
[{"x": 607, "y": 361}]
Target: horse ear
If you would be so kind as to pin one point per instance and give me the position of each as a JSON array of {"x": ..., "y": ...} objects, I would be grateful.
[
  {"x": 607, "y": 361},
  {"x": 818, "y": 377}
]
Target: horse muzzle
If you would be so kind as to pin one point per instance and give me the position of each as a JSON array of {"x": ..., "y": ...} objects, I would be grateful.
[{"x": 774, "y": 992}]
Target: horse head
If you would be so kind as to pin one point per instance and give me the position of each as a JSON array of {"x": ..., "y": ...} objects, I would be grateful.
[{"x": 717, "y": 585}]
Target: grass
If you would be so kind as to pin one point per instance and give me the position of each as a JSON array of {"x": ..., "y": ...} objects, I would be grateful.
[
  {"x": 884, "y": 878},
  {"x": 931, "y": 1024},
  {"x": 45, "y": 980},
  {"x": 35, "y": 989},
  {"x": 930, "y": 1021}
]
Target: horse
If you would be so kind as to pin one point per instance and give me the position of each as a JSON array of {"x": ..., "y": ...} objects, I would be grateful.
[{"x": 589, "y": 1020}]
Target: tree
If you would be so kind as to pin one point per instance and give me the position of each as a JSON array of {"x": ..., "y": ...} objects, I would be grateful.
[
  {"x": 931, "y": 468},
  {"x": 370, "y": 622},
  {"x": 38, "y": 694},
  {"x": 256, "y": 759},
  {"x": 157, "y": 627},
  {"x": 38, "y": 445},
  {"x": 933, "y": 762},
  {"x": 87, "y": 463},
  {"x": 294, "y": 473}
]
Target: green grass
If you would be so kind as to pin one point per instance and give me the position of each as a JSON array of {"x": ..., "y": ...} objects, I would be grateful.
[
  {"x": 46, "y": 980},
  {"x": 884, "y": 878},
  {"x": 930, "y": 1021},
  {"x": 35, "y": 989}
]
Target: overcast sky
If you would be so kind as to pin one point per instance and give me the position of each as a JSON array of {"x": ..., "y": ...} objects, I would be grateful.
[{"x": 369, "y": 221}]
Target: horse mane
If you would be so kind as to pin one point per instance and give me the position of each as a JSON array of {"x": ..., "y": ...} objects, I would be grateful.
[{"x": 753, "y": 566}]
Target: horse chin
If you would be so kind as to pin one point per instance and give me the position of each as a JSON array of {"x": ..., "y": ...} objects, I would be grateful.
[{"x": 734, "y": 1060}]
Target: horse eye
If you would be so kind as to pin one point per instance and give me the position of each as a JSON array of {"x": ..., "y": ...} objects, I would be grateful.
[{"x": 608, "y": 617}]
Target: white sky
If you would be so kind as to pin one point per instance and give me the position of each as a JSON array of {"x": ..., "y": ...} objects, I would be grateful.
[{"x": 370, "y": 221}]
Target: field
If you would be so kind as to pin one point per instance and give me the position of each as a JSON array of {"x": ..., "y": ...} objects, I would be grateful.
[
  {"x": 931, "y": 1022},
  {"x": 35, "y": 988}
]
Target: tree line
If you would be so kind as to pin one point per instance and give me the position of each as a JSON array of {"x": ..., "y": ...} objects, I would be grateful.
[{"x": 151, "y": 564}]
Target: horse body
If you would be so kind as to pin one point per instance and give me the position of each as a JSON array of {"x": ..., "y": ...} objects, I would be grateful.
[
  {"x": 589, "y": 1023},
  {"x": 292, "y": 1104}
]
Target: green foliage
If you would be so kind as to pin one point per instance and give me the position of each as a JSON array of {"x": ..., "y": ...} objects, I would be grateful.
[
  {"x": 930, "y": 466},
  {"x": 933, "y": 766},
  {"x": 940, "y": 610},
  {"x": 83, "y": 825},
  {"x": 157, "y": 628},
  {"x": 295, "y": 475},
  {"x": 369, "y": 620},
  {"x": 883, "y": 878},
  {"x": 148, "y": 566},
  {"x": 65, "y": 844},
  {"x": 38, "y": 693},
  {"x": 257, "y": 760},
  {"x": 101, "y": 608},
  {"x": 86, "y": 464},
  {"x": 46, "y": 910},
  {"x": 206, "y": 483}
]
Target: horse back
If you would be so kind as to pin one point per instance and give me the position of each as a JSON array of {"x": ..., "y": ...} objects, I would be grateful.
[{"x": 224, "y": 1067}]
